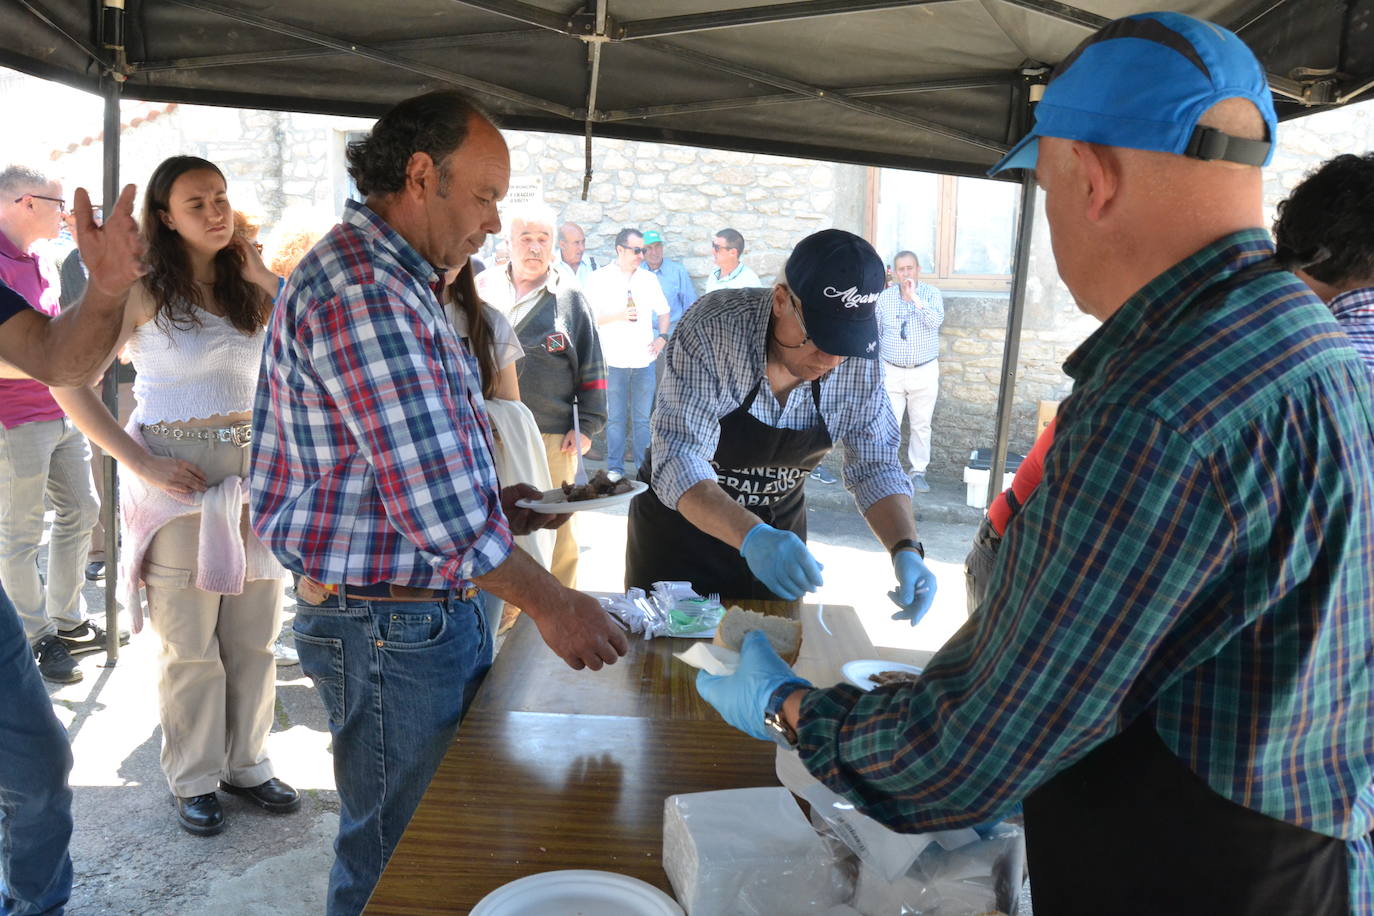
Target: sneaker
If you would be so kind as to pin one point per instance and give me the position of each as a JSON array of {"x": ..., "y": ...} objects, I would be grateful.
[
  {"x": 95, "y": 570},
  {"x": 615, "y": 476},
  {"x": 285, "y": 655},
  {"x": 89, "y": 637},
  {"x": 824, "y": 476},
  {"x": 918, "y": 483},
  {"x": 55, "y": 663}
]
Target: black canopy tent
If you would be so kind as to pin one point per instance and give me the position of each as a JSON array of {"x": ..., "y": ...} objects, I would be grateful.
[{"x": 936, "y": 85}]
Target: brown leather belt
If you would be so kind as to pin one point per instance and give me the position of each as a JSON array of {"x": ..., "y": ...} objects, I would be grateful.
[{"x": 317, "y": 593}]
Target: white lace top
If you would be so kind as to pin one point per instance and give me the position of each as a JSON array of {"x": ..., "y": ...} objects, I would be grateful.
[{"x": 196, "y": 373}]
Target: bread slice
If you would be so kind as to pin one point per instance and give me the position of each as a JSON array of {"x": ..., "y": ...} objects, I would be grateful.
[{"x": 785, "y": 635}]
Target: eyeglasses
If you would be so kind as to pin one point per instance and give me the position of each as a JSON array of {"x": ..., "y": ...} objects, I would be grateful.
[
  {"x": 635, "y": 250},
  {"x": 715, "y": 247},
  {"x": 796, "y": 311},
  {"x": 61, "y": 204}
]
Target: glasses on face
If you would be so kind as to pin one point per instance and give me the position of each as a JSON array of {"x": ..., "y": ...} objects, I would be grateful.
[
  {"x": 715, "y": 247},
  {"x": 61, "y": 204},
  {"x": 796, "y": 313},
  {"x": 634, "y": 249}
]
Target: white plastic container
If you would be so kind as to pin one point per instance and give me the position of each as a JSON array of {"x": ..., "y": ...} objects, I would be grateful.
[{"x": 977, "y": 484}]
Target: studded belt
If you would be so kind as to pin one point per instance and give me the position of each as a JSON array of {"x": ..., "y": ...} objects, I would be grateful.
[{"x": 240, "y": 434}]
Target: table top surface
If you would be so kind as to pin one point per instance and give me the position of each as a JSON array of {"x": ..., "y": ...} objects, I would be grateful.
[{"x": 554, "y": 768}]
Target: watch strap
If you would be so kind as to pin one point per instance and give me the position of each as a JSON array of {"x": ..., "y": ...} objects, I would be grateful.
[{"x": 908, "y": 544}]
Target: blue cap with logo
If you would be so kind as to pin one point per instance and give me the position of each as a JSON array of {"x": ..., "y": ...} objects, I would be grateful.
[
  {"x": 838, "y": 276},
  {"x": 1143, "y": 82}
]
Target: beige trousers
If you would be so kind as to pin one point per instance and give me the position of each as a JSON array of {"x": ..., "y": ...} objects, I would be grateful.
[
  {"x": 562, "y": 466},
  {"x": 217, "y": 675}
]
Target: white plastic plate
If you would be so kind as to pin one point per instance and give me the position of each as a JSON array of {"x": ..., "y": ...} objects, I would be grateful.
[
  {"x": 553, "y": 503},
  {"x": 577, "y": 892},
  {"x": 857, "y": 671}
]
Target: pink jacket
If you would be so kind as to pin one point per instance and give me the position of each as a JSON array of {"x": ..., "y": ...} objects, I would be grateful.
[{"x": 224, "y": 561}]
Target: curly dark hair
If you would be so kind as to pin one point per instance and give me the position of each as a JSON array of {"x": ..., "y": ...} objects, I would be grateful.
[
  {"x": 435, "y": 123},
  {"x": 246, "y": 305},
  {"x": 1326, "y": 226}
]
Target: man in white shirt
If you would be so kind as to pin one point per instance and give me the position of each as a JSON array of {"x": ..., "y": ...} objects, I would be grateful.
[
  {"x": 727, "y": 248},
  {"x": 573, "y": 261},
  {"x": 632, "y": 316}
]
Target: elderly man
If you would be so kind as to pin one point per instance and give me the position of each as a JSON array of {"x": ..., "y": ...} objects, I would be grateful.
[
  {"x": 672, "y": 276},
  {"x": 35, "y": 758},
  {"x": 727, "y": 248},
  {"x": 760, "y": 382},
  {"x": 562, "y": 364},
  {"x": 1170, "y": 666},
  {"x": 573, "y": 261},
  {"x": 42, "y": 454},
  {"x": 632, "y": 317},
  {"x": 910, "y": 313},
  {"x": 373, "y": 479},
  {"x": 1325, "y": 231}
]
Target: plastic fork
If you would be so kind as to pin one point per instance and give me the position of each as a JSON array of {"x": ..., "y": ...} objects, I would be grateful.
[{"x": 579, "y": 475}]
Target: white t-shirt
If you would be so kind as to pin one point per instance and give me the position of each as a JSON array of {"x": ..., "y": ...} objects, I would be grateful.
[{"x": 625, "y": 344}]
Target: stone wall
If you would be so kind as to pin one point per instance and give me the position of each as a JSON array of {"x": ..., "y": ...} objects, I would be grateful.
[{"x": 689, "y": 194}]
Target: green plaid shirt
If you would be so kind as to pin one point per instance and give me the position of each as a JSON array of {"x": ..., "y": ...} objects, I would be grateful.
[{"x": 1201, "y": 549}]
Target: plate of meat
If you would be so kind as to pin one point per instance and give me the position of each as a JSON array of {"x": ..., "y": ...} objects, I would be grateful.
[
  {"x": 867, "y": 673},
  {"x": 599, "y": 492}
]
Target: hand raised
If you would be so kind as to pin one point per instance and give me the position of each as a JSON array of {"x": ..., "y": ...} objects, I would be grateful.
[{"x": 112, "y": 252}]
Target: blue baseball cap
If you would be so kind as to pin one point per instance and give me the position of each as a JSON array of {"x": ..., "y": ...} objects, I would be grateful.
[
  {"x": 838, "y": 276},
  {"x": 1142, "y": 82}
]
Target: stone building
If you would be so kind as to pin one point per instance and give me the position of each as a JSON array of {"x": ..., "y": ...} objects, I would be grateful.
[{"x": 288, "y": 170}]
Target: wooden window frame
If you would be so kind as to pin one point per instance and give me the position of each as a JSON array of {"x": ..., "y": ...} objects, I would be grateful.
[{"x": 946, "y": 229}]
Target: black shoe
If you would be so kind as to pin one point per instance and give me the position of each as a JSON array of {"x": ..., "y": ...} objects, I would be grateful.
[
  {"x": 95, "y": 570},
  {"x": 200, "y": 814},
  {"x": 824, "y": 476},
  {"x": 55, "y": 661},
  {"x": 273, "y": 795},
  {"x": 88, "y": 637}
]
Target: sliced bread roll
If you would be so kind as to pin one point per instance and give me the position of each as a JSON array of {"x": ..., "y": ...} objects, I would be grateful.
[{"x": 784, "y": 634}]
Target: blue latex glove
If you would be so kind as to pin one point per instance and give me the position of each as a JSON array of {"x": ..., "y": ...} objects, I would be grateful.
[
  {"x": 915, "y": 591},
  {"x": 741, "y": 698},
  {"x": 781, "y": 561}
]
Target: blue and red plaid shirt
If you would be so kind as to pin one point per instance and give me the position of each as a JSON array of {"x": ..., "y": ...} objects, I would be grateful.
[
  {"x": 1200, "y": 550},
  {"x": 371, "y": 445}
]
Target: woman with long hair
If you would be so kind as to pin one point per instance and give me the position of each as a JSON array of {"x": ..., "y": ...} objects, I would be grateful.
[
  {"x": 519, "y": 450},
  {"x": 194, "y": 331}
]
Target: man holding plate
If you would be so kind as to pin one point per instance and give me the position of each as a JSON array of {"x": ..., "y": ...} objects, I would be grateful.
[{"x": 759, "y": 383}]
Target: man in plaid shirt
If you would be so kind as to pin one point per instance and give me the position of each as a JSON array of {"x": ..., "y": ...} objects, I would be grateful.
[
  {"x": 373, "y": 478},
  {"x": 1172, "y": 666}
]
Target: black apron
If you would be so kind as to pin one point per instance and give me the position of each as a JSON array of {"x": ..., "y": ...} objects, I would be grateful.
[
  {"x": 762, "y": 468},
  {"x": 1130, "y": 830}
]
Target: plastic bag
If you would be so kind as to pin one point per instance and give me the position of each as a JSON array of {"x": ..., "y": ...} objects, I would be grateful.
[
  {"x": 671, "y": 609},
  {"x": 749, "y": 852}
]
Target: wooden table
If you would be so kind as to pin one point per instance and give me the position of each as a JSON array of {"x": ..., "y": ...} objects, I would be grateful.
[{"x": 554, "y": 768}]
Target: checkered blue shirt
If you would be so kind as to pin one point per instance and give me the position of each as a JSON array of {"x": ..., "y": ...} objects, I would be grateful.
[
  {"x": 1354, "y": 311},
  {"x": 371, "y": 446},
  {"x": 717, "y": 357},
  {"x": 909, "y": 332},
  {"x": 1200, "y": 550}
]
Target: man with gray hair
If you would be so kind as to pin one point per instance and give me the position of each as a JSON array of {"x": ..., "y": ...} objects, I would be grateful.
[
  {"x": 562, "y": 365},
  {"x": 42, "y": 453}
]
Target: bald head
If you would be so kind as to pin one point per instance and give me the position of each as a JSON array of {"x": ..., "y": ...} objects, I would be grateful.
[{"x": 1120, "y": 217}]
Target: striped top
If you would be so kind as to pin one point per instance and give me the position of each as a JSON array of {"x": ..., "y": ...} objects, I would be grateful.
[
  {"x": 1354, "y": 311},
  {"x": 371, "y": 446},
  {"x": 1200, "y": 550}
]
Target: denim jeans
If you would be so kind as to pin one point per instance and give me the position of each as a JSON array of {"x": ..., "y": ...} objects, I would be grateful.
[
  {"x": 35, "y": 801},
  {"x": 629, "y": 397},
  {"x": 395, "y": 678}
]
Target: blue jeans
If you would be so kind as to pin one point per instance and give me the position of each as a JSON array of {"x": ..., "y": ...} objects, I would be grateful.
[
  {"x": 395, "y": 678},
  {"x": 35, "y": 801},
  {"x": 629, "y": 397}
]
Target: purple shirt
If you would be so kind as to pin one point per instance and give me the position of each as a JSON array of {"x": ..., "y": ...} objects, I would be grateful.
[{"x": 23, "y": 400}]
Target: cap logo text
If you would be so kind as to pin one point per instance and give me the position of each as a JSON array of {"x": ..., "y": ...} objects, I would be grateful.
[{"x": 851, "y": 298}]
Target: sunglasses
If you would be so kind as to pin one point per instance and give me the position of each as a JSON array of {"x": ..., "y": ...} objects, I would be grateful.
[
  {"x": 715, "y": 247},
  {"x": 61, "y": 204},
  {"x": 635, "y": 250}
]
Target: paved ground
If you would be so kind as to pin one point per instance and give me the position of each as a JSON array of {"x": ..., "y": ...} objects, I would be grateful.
[{"x": 131, "y": 857}]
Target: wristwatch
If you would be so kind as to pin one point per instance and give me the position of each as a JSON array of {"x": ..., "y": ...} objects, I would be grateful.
[
  {"x": 773, "y": 720},
  {"x": 908, "y": 544}
]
